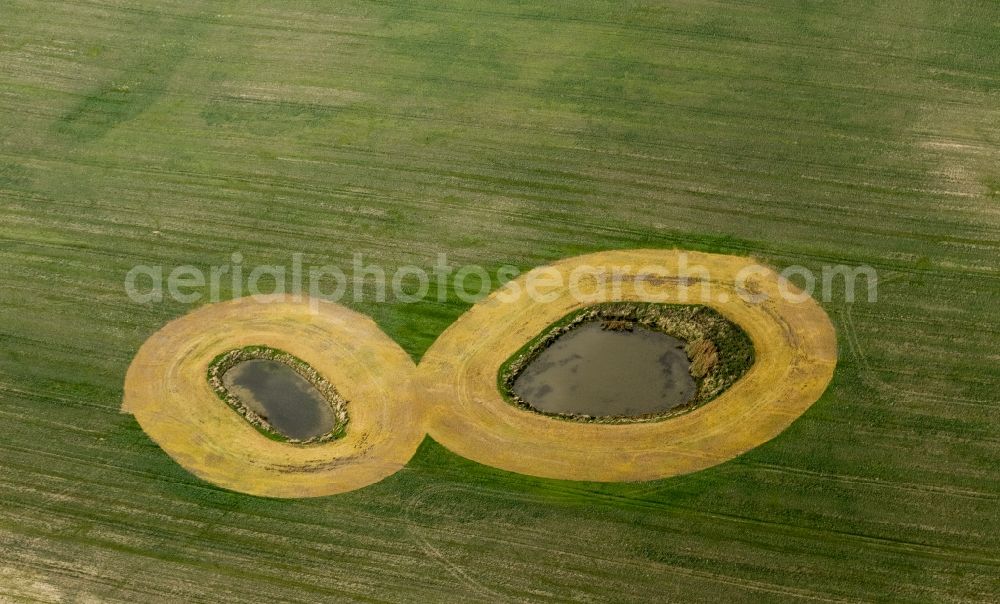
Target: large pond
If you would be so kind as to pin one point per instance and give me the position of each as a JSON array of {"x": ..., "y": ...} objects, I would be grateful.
[
  {"x": 282, "y": 397},
  {"x": 595, "y": 371}
]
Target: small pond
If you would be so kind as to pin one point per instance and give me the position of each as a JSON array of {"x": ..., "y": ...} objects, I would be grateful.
[
  {"x": 282, "y": 397},
  {"x": 601, "y": 372}
]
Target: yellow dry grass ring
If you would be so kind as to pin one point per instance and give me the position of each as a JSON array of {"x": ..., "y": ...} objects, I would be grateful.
[
  {"x": 167, "y": 391},
  {"x": 453, "y": 394},
  {"x": 795, "y": 347}
]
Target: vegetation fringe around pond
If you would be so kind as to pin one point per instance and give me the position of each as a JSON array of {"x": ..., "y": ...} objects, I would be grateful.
[
  {"x": 719, "y": 351},
  {"x": 227, "y": 360}
]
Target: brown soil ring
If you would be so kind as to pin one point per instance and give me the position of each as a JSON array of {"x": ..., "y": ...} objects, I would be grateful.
[
  {"x": 167, "y": 390},
  {"x": 796, "y": 352}
]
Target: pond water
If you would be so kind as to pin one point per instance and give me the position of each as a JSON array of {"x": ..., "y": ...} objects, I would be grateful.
[
  {"x": 593, "y": 371},
  {"x": 282, "y": 397}
]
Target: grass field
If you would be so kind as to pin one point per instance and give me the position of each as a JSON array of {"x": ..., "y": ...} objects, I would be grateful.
[{"x": 800, "y": 132}]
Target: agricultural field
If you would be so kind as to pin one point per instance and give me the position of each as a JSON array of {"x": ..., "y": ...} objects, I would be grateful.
[{"x": 504, "y": 133}]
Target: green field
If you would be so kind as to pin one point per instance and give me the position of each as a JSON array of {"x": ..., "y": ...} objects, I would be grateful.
[{"x": 519, "y": 133}]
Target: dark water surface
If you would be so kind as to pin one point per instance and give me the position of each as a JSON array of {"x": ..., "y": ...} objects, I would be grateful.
[
  {"x": 592, "y": 371},
  {"x": 281, "y": 396}
]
